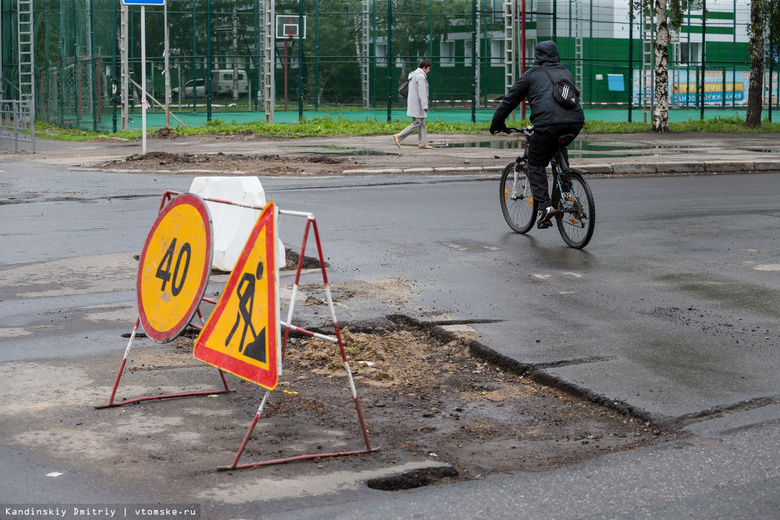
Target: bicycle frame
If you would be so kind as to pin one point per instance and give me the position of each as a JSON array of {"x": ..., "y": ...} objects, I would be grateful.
[{"x": 558, "y": 165}]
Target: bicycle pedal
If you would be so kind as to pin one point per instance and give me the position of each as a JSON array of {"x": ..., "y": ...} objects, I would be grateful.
[{"x": 544, "y": 225}]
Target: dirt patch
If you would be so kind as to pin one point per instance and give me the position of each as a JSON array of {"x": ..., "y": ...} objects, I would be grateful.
[
  {"x": 235, "y": 163},
  {"x": 435, "y": 398}
]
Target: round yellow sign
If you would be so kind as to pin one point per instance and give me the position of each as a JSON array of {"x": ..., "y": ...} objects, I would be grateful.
[{"x": 174, "y": 268}]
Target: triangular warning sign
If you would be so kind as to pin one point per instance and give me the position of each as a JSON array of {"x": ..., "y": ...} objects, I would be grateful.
[{"x": 242, "y": 335}]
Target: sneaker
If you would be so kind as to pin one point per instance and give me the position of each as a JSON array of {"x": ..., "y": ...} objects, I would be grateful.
[
  {"x": 425, "y": 147},
  {"x": 544, "y": 217},
  {"x": 397, "y": 141}
]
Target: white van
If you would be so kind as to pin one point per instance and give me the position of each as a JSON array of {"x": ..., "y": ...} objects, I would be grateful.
[{"x": 222, "y": 82}]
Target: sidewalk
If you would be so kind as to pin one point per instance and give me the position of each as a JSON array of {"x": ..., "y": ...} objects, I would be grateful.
[{"x": 603, "y": 154}]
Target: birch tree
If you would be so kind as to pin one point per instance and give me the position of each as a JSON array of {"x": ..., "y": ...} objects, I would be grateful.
[
  {"x": 764, "y": 26},
  {"x": 674, "y": 18}
]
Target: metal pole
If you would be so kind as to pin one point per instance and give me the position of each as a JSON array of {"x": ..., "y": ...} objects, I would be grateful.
[
  {"x": 1, "y": 53},
  {"x": 430, "y": 30},
  {"x": 143, "y": 79},
  {"x": 630, "y": 59},
  {"x": 124, "y": 86},
  {"x": 300, "y": 60},
  {"x": 93, "y": 68},
  {"x": 703, "y": 54},
  {"x": 254, "y": 93},
  {"x": 522, "y": 51},
  {"x": 734, "y": 60},
  {"x": 316, "y": 55},
  {"x": 194, "y": 61},
  {"x": 389, "y": 60},
  {"x": 167, "y": 51},
  {"x": 77, "y": 107},
  {"x": 373, "y": 90},
  {"x": 771, "y": 63},
  {"x": 114, "y": 80},
  {"x": 208, "y": 61},
  {"x": 473, "y": 61}
]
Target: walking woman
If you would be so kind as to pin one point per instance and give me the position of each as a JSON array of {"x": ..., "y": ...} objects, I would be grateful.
[{"x": 417, "y": 105}]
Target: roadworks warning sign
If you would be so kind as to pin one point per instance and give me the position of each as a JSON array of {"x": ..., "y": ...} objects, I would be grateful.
[{"x": 242, "y": 335}]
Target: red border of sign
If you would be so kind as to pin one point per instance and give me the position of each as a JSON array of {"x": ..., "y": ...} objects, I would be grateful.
[
  {"x": 265, "y": 378},
  {"x": 173, "y": 332}
]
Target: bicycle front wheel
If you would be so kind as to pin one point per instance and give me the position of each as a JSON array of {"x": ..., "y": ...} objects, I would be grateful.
[
  {"x": 578, "y": 211},
  {"x": 517, "y": 204}
]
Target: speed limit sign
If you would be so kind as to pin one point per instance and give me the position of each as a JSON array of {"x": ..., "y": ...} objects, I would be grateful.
[{"x": 174, "y": 267}]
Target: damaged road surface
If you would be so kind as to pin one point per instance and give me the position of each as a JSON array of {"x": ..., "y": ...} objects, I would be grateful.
[
  {"x": 437, "y": 414},
  {"x": 499, "y": 375}
]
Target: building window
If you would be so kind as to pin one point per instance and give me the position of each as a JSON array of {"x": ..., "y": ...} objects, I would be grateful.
[
  {"x": 381, "y": 55},
  {"x": 447, "y": 54},
  {"x": 690, "y": 53},
  {"x": 497, "y": 53}
]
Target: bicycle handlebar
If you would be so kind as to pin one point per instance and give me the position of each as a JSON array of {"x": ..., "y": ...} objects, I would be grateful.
[{"x": 527, "y": 131}]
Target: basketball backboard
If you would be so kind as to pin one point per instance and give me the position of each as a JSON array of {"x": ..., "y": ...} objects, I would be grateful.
[{"x": 288, "y": 27}]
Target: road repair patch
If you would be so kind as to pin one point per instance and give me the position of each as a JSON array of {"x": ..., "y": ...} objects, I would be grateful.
[{"x": 429, "y": 404}]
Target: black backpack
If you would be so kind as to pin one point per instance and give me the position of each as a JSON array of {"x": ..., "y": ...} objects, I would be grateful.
[
  {"x": 403, "y": 90},
  {"x": 564, "y": 92}
]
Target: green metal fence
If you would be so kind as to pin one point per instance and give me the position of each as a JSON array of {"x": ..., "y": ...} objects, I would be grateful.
[{"x": 356, "y": 53}]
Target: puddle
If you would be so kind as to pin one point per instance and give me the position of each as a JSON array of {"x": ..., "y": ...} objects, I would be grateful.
[
  {"x": 576, "y": 149},
  {"x": 344, "y": 150},
  {"x": 362, "y": 151}
]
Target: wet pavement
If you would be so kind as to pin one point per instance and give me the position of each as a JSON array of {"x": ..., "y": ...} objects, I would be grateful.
[{"x": 670, "y": 314}]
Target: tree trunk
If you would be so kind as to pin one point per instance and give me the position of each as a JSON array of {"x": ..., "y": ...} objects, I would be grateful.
[
  {"x": 661, "y": 112},
  {"x": 755, "y": 91}
]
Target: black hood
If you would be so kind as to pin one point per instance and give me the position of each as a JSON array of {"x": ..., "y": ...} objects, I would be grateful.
[{"x": 547, "y": 52}]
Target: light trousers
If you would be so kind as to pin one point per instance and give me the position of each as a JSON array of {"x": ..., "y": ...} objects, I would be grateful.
[{"x": 418, "y": 123}]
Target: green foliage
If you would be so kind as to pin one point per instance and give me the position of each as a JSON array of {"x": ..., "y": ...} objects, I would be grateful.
[
  {"x": 676, "y": 9},
  {"x": 329, "y": 126},
  {"x": 734, "y": 125}
]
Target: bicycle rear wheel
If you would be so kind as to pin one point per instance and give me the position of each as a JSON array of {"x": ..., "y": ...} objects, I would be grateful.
[
  {"x": 517, "y": 204},
  {"x": 578, "y": 216}
]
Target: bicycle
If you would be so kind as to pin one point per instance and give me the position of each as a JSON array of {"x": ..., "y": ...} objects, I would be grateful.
[{"x": 575, "y": 213}]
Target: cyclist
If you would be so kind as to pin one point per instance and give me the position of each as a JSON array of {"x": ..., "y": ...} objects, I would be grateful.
[{"x": 550, "y": 119}]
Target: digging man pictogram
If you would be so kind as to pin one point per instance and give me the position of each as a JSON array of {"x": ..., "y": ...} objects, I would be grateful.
[{"x": 256, "y": 349}]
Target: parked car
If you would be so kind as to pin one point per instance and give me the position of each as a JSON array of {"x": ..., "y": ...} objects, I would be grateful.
[
  {"x": 221, "y": 84},
  {"x": 200, "y": 88}
]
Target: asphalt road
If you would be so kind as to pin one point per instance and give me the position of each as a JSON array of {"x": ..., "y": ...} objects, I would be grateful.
[{"x": 671, "y": 312}]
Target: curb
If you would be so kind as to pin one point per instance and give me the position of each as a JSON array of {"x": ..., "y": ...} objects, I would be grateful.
[{"x": 609, "y": 169}]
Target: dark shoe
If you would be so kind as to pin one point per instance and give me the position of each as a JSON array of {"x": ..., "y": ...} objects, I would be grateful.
[{"x": 544, "y": 217}]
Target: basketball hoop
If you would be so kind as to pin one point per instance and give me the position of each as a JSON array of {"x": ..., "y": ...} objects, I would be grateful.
[{"x": 288, "y": 27}]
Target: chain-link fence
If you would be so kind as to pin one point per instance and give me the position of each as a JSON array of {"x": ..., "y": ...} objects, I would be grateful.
[{"x": 351, "y": 55}]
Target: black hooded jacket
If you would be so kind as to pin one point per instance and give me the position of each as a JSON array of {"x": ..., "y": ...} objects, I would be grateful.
[{"x": 537, "y": 88}]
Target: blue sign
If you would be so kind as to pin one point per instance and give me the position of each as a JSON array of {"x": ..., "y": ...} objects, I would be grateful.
[{"x": 143, "y": 2}]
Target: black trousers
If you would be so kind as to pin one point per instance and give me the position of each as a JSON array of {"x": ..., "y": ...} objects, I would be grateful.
[{"x": 542, "y": 146}]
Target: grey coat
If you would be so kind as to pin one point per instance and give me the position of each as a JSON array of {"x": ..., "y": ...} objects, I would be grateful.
[{"x": 417, "y": 102}]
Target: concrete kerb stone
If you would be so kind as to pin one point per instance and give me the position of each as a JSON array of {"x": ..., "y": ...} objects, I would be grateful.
[
  {"x": 680, "y": 167},
  {"x": 637, "y": 168},
  {"x": 764, "y": 166},
  {"x": 728, "y": 166},
  {"x": 597, "y": 169}
]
